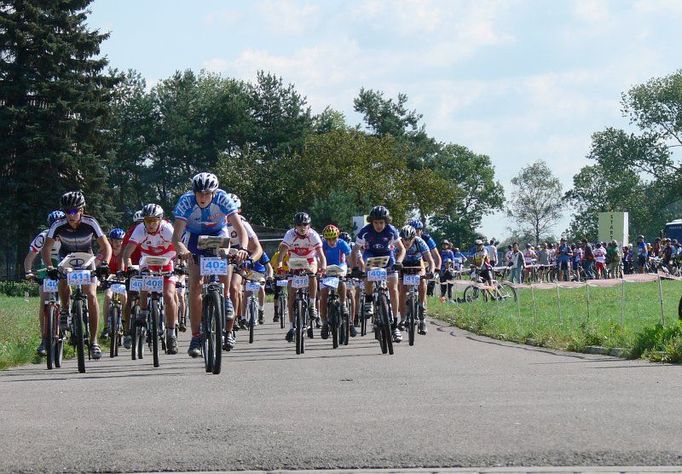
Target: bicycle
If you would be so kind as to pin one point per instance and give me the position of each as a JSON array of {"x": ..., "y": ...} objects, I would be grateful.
[
  {"x": 281, "y": 302},
  {"x": 359, "y": 307},
  {"x": 338, "y": 320},
  {"x": 114, "y": 313},
  {"x": 299, "y": 271},
  {"x": 253, "y": 281},
  {"x": 383, "y": 320},
  {"x": 152, "y": 284},
  {"x": 183, "y": 306},
  {"x": 75, "y": 269},
  {"x": 411, "y": 279},
  {"x": 137, "y": 331},
  {"x": 51, "y": 306},
  {"x": 495, "y": 292}
]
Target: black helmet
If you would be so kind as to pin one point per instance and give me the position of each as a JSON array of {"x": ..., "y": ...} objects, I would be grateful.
[
  {"x": 345, "y": 236},
  {"x": 301, "y": 218},
  {"x": 379, "y": 213},
  {"x": 204, "y": 182},
  {"x": 73, "y": 200}
]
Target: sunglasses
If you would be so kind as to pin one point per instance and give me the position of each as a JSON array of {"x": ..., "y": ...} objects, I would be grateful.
[
  {"x": 73, "y": 212},
  {"x": 151, "y": 220}
]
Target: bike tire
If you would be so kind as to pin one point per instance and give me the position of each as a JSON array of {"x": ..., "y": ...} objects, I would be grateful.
[
  {"x": 506, "y": 291},
  {"x": 379, "y": 331},
  {"x": 51, "y": 339},
  {"x": 346, "y": 322},
  {"x": 471, "y": 293},
  {"x": 282, "y": 310},
  {"x": 78, "y": 334},
  {"x": 411, "y": 310},
  {"x": 134, "y": 310},
  {"x": 113, "y": 332},
  {"x": 253, "y": 318},
  {"x": 154, "y": 335},
  {"x": 383, "y": 302},
  {"x": 333, "y": 322},
  {"x": 299, "y": 326},
  {"x": 206, "y": 343},
  {"x": 119, "y": 327},
  {"x": 217, "y": 330}
]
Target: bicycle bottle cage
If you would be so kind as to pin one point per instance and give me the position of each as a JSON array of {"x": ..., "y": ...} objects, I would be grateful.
[
  {"x": 207, "y": 242},
  {"x": 335, "y": 271},
  {"x": 77, "y": 261},
  {"x": 378, "y": 262}
]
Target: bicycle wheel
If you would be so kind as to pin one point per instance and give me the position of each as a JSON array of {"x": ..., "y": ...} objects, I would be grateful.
[
  {"x": 333, "y": 321},
  {"x": 218, "y": 308},
  {"x": 154, "y": 334},
  {"x": 387, "y": 322},
  {"x": 252, "y": 308},
  {"x": 59, "y": 341},
  {"x": 207, "y": 341},
  {"x": 113, "y": 331},
  {"x": 411, "y": 310},
  {"x": 134, "y": 312},
  {"x": 299, "y": 325},
  {"x": 506, "y": 291},
  {"x": 379, "y": 328},
  {"x": 471, "y": 293},
  {"x": 78, "y": 332},
  {"x": 345, "y": 325},
  {"x": 51, "y": 324},
  {"x": 281, "y": 309}
]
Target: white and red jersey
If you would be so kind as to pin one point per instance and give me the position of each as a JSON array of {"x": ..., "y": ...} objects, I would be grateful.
[
  {"x": 600, "y": 254},
  {"x": 234, "y": 239},
  {"x": 302, "y": 246},
  {"x": 158, "y": 244}
]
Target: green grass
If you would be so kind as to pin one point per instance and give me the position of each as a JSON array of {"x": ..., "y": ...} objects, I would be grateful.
[{"x": 626, "y": 317}]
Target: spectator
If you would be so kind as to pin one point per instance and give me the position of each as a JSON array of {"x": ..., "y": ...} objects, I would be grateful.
[
  {"x": 564, "y": 259},
  {"x": 517, "y": 264},
  {"x": 588, "y": 260},
  {"x": 613, "y": 259},
  {"x": 642, "y": 254},
  {"x": 492, "y": 252}
]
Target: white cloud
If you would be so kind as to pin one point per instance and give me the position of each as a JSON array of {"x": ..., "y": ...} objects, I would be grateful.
[{"x": 288, "y": 17}]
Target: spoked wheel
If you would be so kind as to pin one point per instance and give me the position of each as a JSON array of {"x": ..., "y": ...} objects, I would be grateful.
[
  {"x": 113, "y": 331},
  {"x": 333, "y": 322},
  {"x": 213, "y": 333},
  {"x": 471, "y": 293},
  {"x": 506, "y": 292},
  {"x": 385, "y": 309},
  {"x": 253, "y": 317},
  {"x": 134, "y": 330},
  {"x": 281, "y": 310},
  {"x": 155, "y": 332},
  {"x": 411, "y": 323},
  {"x": 300, "y": 308},
  {"x": 78, "y": 334},
  {"x": 51, "y": 331},
  {"x": 345, "y": 326}
]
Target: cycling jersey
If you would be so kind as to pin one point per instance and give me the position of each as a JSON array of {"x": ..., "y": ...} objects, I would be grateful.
[
  {"x": 378, "y": 244},
  {"x": 275, "y": 256},
  {"x": 413, "y": 255},
  {"x": 158, "y": 244},
  {"x": 481, "y": 259},
  {"x": 338, "y": 254},
  {"x": 114, "y": 261},
  {"x": 135, "y": 256},
  {"x": 445, "y": 257},
  {"x": 564, "y": 253},
  {"x": 599, "y": 255},
  {"x": 210, "y": 220},
  {"x": 302, "y": 246},
  {"x": 232, "y": 232},
  {"x": 426, "y": 237},
  {"x": 529, "y": 257},
  {"x": 458, "y": 259},
  {"x": 78, "y": 239},
  {"x": 259, "y": 265},
  {"x": 37, "y": 245}
]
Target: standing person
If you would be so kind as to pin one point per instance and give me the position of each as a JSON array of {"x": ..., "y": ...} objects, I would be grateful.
[
  {"x": 380, "y": 239},
  {"x": 529, "y": 258},
  {"x": 447, "y": 258},
  {"x": 76, "y": 232},
  {"x": 613, "y": 257},
  {"x": 517, "y": 263},
  {"x": 33, "y": 251},
  {"x": 543, "y": 262},
  {"x": 492, "y": 252},
  {"x": 642, "y": 254},
  {"x": 206, "y": 210},
  {"x": 600, "y": 260},
  {"x": 588, "y": 260},
  {"x": 564, "y": 259},
  {"x": 302, "y": 241},
  {"x": 154, "y": 236}
]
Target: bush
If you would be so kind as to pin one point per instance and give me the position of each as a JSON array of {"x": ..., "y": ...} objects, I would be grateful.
[{"x": 18, "y": 288}]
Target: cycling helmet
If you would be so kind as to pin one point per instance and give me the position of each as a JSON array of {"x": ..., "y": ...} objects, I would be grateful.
[
  {"x": 73, "y": 200},
  {"x": 152, "y": 210},
  {"x": 478, "y": 242},
  {"x": 301, "y": 218},
  {"x": 204, "y": 182},
  {"x": 417, "y": 224},
  {"x": 235, "y": 199},
  {"x": 117, "y": 233},
  {"x": 345, "y": 236},
  {"x": 330, "y": 232},
  {"x": 379, "y": 213},
  {"x": 53, "y": 216},
  {"x": 446, "y": 242},
  {"x": 137, "y": 217},
  {"x": 408, "y": 232}
]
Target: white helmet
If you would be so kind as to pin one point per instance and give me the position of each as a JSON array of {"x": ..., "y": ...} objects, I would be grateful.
[
  {"x": 137, "y": 217},
  {"x": 204, "y": 182},
  {"x": 152, "y": 210}
]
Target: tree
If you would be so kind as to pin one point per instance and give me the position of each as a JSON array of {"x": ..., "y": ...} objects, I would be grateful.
[
  {"x": 536, "y": 202},
  {"x": 53, "y": 117}
]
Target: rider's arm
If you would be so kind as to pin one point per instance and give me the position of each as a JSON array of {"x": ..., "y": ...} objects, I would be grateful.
[
  {"x": 46, "y": 251},
  {"x": 435, "y": 256},
  {"x": 400, "y": 254},
  {"x": 28, "y": 261},
  {"x": 178, "y": 230},
  {"x": 279, "y": 258},
  {"x": 105, "y": 249},
  {"x": 430, "y": 263},
  {"x": 125, "y": 255},
  {"x": 236, "y": 222},
  {"x": 268, "y": 270},
  {"x": 255, "y": 249},
  {"x": 321, "y": 258}
]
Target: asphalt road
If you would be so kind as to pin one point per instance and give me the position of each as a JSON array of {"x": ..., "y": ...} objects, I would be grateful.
[{"x": 454, "y": 399}]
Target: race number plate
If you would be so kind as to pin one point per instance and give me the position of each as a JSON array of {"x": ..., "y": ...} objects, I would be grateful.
[
  {"x": 252, "y": 286},
  {"x": 78, "y": 277},
  {"x": 411, "y": 280},
  {"x": 118, "y": 288},
  {"x": 50, "y": 286},
  {"x": 300, "y": 281},
  {"x": 282, "y": 283},
  {"x": 213, "y": 266},
  {"x": 136, "y": 284},
  {"x": 331, "y": 282},
  {"x": 377, "y": 274},
  {"x": 153, "y": 284}
]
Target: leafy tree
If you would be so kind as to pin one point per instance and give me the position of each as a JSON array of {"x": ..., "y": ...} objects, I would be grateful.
[
  {"x": 536, "y": 203},
  {"x": 55, "y": 103}
]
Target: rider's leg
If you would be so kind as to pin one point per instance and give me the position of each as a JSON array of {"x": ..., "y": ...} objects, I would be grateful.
[
  {"x": 170, "y": 305},
  {"x": 194, "y": 285},
  {"x": 93, "y": 308},
  {"x": 324, "y": 293}
]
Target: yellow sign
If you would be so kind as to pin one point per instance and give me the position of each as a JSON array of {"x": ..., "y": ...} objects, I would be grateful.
[{"x": 613, "y": 225}]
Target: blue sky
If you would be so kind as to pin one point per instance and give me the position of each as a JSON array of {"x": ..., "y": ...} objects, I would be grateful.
[{"x": 516, "y": 80}]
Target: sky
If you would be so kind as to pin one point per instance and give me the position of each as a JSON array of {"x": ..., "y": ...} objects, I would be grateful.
[{"x": 519, "y": 81}]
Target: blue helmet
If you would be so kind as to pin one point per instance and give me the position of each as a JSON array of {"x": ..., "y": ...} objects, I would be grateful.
[
  {"x": 417, "y": 224},
  {"x": 117, "y": 233},
  {"x": 53, "y": 216}
]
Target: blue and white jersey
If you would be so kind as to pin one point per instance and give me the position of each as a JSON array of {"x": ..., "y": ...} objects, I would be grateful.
[
  {"x": 337, "y": 255},
  {"x": 259, "y": 265},
  {"x": 426, "y": 237},
  {"x": 378, "y": 244},
  {"x": 413, "y": 255},
  {"x": 208, "y": 221}
]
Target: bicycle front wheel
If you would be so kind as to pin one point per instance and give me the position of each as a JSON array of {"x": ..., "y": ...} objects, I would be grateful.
[
  {"x": 78, "y": 333},
  {"x": 281, "y": 310},
  {"x": 113, "y": 331},
  {"x": 51, "y": 324},
  {"x": 506, "y": 292},
  {"x": 387, "y": 322},
  {"x": 253, "y": 315},
  {"x": 471, "y": 293},
  {"x": 300, "y": 308},
  {"x": 411, "y": 310},
  {"x": 216, "y": 329},
  {"x": 333, "y": 322},
  {"x": 155, "y": 332}
]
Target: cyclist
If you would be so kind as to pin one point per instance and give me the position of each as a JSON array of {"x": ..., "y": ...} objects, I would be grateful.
[
  {"x": 135, "y": 259},
  {"x": 417, "y": 252},
  {"x": 262, "y": 265},
  {"x": 284, "y": 269},
  {"x": 337, "y": 252},
  {"x": 529, "y": 258},
  {"x": 351, "y": 292},
  {"x": 205, "y": 210},
  {"x": 154, "y": 237},
  {"x": 116, "y": 241},
  {"x": 480, "y": 262},
  {"x": 380, "y": 239},
  {"x": 302, "y": 241},
  {"x": 433, "y": 248},
  {"x": 76, "y": 231},
  {"x": 33, "y": 251}
]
